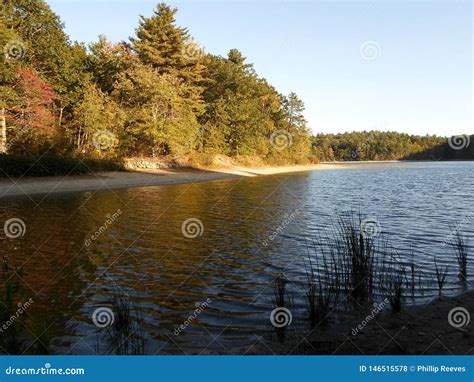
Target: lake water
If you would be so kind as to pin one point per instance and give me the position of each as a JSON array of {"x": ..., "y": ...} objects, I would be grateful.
[{"x": 252, "y": 229}]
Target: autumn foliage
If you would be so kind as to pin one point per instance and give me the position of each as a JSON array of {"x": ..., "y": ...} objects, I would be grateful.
[{"x": 34, "y": 106}]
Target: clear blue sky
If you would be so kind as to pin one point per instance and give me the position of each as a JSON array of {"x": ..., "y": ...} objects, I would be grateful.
[{"x": 418, "y": 78}]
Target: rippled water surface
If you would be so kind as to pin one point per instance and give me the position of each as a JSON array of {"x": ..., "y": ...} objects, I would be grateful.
[{"x": 253, "y": 228}]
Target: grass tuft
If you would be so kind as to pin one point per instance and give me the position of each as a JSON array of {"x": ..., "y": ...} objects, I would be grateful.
[{"x": 126, "y": 336}]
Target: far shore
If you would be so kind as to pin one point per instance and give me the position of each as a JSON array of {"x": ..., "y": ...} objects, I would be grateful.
[{"x": 156, "y": 177}]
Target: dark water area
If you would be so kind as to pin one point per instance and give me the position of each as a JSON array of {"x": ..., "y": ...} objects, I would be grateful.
[{"x": 79, "y": 248}]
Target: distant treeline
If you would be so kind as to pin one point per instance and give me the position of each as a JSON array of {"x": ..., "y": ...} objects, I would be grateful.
[
  {"x": 378, "y": 145},
  {"x": 157, "y": 94}
]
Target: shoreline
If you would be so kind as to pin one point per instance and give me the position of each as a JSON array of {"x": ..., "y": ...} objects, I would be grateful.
[
  {"x": 426, "y": 329},
  {"x": 415, "y": 330},
  {"x": 15, "y": 187}
]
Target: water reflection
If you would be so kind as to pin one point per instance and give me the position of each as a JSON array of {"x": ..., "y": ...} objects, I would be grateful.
[{"x": 253, "y": 229}]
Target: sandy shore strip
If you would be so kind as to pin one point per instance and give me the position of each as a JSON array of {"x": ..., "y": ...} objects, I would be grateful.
[{"x": 127, "y": 179}]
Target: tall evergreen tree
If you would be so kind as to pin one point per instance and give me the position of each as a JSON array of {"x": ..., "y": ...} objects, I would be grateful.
[
  {"x": 168, "y": 48},
  {"x": 293, "y": 110}
]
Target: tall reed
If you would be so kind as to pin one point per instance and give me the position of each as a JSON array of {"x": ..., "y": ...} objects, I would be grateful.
[
  {"x": 411, "y": 284},
  {"x": 358, "y": 253},
  {"x": 441, "y": 274},
  {"x": 461, "y": 250},
  {"x": 281, "y": 299},
  {"x": 321, "y": 288},
  {"x": 126, "y": 335},
  {"x": 393, "y": 278}
]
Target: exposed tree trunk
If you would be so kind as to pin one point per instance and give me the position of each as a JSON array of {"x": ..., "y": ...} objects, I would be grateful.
[
  {"x": 3, "y": 133},
  {"x": 60, "y": 117},
  {"x": 79, "y": 135}
]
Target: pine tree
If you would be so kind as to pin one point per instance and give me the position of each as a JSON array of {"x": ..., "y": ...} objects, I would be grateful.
[
  {"x": 293, "y": 109},
  {"x": 168, "y": 48},
  {"x": 159, "y": 41}
]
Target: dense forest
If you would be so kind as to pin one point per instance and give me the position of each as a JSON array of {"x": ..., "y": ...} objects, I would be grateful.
[
  {"x": 378, "y": 145},
  {"x": 158, "y": 94}
]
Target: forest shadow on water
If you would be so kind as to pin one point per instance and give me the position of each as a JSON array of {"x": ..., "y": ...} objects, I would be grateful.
[{"x": 292, "y": 264}]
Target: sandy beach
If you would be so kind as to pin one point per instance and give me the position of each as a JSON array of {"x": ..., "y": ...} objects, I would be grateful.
[{"x": 127, "y": 179}]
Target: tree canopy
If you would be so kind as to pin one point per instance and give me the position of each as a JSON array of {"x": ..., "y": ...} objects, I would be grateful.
[{"x": 159, "y": 93}]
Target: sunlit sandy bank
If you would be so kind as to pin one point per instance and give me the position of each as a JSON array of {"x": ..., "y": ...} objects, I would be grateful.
[{"x": 116, "y": 180}]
